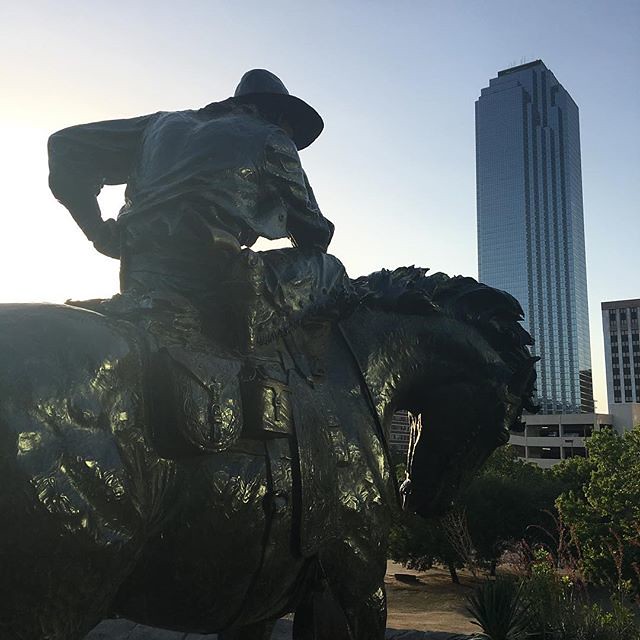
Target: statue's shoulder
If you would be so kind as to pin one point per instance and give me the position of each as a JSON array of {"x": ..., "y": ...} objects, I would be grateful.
[{"x": 163, "y": 118}]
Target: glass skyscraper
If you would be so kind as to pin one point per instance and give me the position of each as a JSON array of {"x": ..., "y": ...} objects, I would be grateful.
[{"x": 530, "y": 223}]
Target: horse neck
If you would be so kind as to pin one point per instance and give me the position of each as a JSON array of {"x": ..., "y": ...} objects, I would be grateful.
[{"x": 385, "y": 346}]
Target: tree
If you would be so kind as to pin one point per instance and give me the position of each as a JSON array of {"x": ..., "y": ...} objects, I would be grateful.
[
  {"x": 508, "y": 501},
  {"x": 604, "y": 517},
  {"x": 572, "y": 474},
  {"x": 419, "y": 544}
]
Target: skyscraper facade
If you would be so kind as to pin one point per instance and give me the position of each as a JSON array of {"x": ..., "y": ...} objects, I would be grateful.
[{"x": 530, "y": 223}]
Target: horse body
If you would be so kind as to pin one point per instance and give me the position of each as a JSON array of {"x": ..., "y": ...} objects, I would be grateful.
[
  {"x": 126, "y": 522},
  {"x": 96, "y": 522},
  {"x": 263, "y": 514}
]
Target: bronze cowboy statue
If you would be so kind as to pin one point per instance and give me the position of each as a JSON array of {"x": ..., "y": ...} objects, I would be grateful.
[
  {"x": 201, "y": 185},
  {"x": 207, "y": 451}
]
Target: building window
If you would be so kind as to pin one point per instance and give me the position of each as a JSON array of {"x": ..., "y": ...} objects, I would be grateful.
[
  {"x": 546, "y": 453},
  {"x": 572, "y": 452}
]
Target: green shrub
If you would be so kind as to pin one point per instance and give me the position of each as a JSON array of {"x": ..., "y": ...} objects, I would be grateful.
[
  {"x": 598, "y": 624},
  {"x": 499, "y": 610},
  {"x": 552, "y": 600},
  {"x": 548, "y": 606}
]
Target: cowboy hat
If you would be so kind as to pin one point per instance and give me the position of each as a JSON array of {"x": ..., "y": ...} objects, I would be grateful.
[{"x": 263, "y": 88}]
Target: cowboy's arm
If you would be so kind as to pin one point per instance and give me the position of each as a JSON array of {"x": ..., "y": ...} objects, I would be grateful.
[
  {"x": 306, "y": 225},
  {"x": 314, "y": 204},
  {"x": 82, "y": 159}
]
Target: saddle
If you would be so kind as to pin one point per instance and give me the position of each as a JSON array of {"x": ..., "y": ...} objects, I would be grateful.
[
  {"x": 205, "y": 399},
  {"x": 203, "y": 396}
]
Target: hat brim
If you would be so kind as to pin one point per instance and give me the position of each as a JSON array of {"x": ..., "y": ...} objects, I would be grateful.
[{"x": 306, "y": 122}]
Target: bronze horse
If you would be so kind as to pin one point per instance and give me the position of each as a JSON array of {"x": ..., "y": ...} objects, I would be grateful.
[{"x": 99, "y": 521}]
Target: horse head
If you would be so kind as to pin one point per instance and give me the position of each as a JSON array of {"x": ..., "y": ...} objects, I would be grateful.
[{"x": 452, "y": 351}]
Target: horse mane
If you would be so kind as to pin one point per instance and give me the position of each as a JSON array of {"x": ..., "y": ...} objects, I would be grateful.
[{"x": 496, "y": 314}]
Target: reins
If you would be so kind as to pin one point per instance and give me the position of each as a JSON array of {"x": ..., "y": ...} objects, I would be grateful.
[{"x": 372, "y": 406}]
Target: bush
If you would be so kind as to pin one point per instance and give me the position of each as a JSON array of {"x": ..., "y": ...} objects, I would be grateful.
[
  {"x": 559, "y": 609},
  {"x": 508, "y": 501},
  {"x": 598, "y": 624},
  {"x": 499, "y": 610},
  {"x": 555, "y": 601},
  {"x": 548, "y": 606},
  {"x": 419, "y": 544}
]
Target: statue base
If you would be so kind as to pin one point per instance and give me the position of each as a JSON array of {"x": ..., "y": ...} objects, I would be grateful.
[{"x": 127, "y": 630}]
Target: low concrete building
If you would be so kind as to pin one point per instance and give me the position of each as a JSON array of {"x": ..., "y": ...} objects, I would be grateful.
[{"x": 549, "y": 438}]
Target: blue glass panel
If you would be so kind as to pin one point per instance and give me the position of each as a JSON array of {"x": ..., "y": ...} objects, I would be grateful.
[{"x": 530, "y": 222}]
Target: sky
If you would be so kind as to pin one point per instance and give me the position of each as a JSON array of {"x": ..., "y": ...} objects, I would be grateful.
[{"x": 395, "y": 82}]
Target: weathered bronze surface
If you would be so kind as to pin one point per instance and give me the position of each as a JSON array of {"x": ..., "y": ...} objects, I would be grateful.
[
  {"x": 96, "y": 522},
  {"x": 159, "y": 464}
]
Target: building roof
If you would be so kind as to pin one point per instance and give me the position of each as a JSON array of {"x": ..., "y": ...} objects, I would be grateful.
[
  {"x": 621, "y": 304},
  {"x": 520, "y": 67}
]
